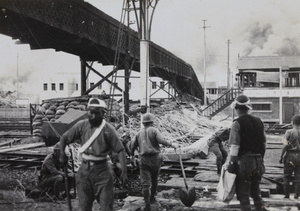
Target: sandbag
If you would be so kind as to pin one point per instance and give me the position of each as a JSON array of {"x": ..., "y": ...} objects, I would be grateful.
[{"x": 226, "y": 185}]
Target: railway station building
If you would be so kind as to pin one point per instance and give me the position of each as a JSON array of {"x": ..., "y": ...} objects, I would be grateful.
[{"x": 273, "y": 85}]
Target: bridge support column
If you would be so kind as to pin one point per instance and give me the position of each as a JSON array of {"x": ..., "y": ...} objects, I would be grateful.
[
  {"x": 83, "y": 77},
  {"x": 144, "y": 54}
]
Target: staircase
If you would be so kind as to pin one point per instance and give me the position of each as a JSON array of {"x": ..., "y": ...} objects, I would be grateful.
[{"x": 221, "y": 103}]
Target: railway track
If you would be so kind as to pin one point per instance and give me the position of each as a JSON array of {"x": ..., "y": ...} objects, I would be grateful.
[
  {"x": 7, "y": 124},
  {"x": 21, "y": 160},
  {"x": 12, "y": 136}
]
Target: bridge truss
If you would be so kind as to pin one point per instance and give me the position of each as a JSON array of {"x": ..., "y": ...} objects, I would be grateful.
[{"x": 78, "y": 28}]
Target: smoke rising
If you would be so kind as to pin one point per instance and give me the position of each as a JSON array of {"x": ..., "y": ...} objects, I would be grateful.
[{"x": 254, "y": 28}]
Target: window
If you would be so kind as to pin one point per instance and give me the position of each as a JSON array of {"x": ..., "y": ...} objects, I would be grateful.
[
  {"x": 100, "y": 86},
  {"x": 76, "y": 87},
  {"x": 91, "y": 84},
  {"x": 212, "y": 91},
  {"x": 129, "y": 85},
  {"x": 61, "y": 86},
  {"x": 293, "y": 80},
  {"x": 162, "y": 84},
  {"x": 248, "y": 79},
  {"x": 261, "y": 106},
  {"x": 154, "y": 85},
  {"x": 45, "y": 87},
  {"x": 52, "y": 86}
]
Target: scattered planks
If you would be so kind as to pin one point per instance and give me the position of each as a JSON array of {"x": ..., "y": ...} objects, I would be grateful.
[{"x": 23, "y": 146}]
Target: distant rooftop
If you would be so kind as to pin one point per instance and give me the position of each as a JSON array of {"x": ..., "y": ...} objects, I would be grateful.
[{"x": 268, "y": 63}]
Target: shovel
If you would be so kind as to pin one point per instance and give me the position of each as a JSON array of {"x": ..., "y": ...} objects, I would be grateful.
[{"x": 187, "y": 195}]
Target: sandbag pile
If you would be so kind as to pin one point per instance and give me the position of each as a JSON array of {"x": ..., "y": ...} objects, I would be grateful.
[{"x": 51, "y": 110}]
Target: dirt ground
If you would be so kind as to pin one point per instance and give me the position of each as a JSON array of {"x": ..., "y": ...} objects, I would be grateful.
[{"x": 14, "y": 182}]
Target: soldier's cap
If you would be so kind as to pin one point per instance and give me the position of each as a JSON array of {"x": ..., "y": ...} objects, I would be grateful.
[
  {"x": 96, "y": 103},
  {"x": 241, "y": 101}
]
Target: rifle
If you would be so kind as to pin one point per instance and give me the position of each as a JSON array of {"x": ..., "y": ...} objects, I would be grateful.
[{"x": 67, "y": 188}]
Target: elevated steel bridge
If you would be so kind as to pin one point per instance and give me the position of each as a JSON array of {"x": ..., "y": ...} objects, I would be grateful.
[{"x": 78, "y": 28}]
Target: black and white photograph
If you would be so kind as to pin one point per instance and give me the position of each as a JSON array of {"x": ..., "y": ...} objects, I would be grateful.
[{"x": 149, "y": 105}]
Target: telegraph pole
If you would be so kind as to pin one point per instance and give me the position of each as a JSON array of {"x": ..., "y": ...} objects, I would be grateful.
[
  {"x": 228, "y": 69},
  {"x": 17, "y": 75},
  {"x": 204, "y": 61}
]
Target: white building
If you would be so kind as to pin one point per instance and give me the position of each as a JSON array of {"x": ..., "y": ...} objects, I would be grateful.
[{"x": 69, "y": 85}]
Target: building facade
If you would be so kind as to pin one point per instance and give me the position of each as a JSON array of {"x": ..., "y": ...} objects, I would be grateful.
[
  {"x": 273, "y": 85},
  {"x": 68, "y": 85}
]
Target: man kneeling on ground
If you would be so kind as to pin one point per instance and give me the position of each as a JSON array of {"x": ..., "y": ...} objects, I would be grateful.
[{"x": 52, "y": 177}]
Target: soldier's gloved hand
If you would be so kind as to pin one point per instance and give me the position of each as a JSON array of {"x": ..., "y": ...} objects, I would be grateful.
[
  {"x": 280, "y": 161},
  {"x": 231, "y": 167}
]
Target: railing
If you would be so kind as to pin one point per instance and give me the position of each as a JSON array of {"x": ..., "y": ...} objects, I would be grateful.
[{"x": 220, "y": 103}]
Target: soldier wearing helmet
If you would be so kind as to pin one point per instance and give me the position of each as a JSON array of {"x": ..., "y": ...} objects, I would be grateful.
[
  {"x": 52, "y": 176},
  {"x": 215, "y": 144},
  {"x": 290, "y": 156},
  {"x": 147, "y": 142},
  {"x": 247, "y": 149},
  {"x": 98, "y": 139}
]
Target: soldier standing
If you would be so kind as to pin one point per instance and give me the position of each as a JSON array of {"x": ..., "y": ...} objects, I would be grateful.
[
  {"x": 247, "y": 149},
  {"x": 291, "y": 158},
  {"x": 147, "y": 142},
  {"x": 97, "y": 138}
]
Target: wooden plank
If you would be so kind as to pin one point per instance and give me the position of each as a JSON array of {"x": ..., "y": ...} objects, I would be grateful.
[{"x": 24, "y": 146}]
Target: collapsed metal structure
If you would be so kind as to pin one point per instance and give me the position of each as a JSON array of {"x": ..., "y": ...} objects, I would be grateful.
[{"x": 78, "y": 28}]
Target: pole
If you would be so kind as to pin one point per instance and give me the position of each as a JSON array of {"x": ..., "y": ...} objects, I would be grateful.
[
  {"x": 204, "y": 61},
  {"x": 17, "y": 75},
  {"x": 144, "y": 55},
  {"x": 126, "y": 70},
  {"x": 67, "y": 187},
  {"x": 83, "y": 76},
  {"x": 280, "y": 95},
  {"x": 228, "y": 69}
]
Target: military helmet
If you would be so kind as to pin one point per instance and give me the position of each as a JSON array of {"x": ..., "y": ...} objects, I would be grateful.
[
  {"x": 95, "y": 102},
  {"x": 148, "y": 118}
]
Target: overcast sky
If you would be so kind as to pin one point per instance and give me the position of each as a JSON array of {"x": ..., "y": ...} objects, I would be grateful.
[{"x": 254, "y": 28}]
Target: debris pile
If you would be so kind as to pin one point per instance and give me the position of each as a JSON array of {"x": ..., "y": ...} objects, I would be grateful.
[{"x": 176, "y": 121}]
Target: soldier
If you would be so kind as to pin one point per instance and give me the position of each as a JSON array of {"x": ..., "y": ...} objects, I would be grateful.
[
  {"x": 291, "y": 158},
  {"x": 97, "y": 138},
  {"x": 215, "y": 144},
  {"x": 247, "y": 149},
  {"x": 147, "y": 142},
  {"x": 52, "y": 176}
]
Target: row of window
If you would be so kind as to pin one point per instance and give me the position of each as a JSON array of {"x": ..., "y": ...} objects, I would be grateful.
[
  {"x": 249, "y": 80},
  {"x": 53, "y": 86},
  {"x": 61, "y": 86},
  {"x": 261, "y": 107},
  {"x": 154, "y": 85}
]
